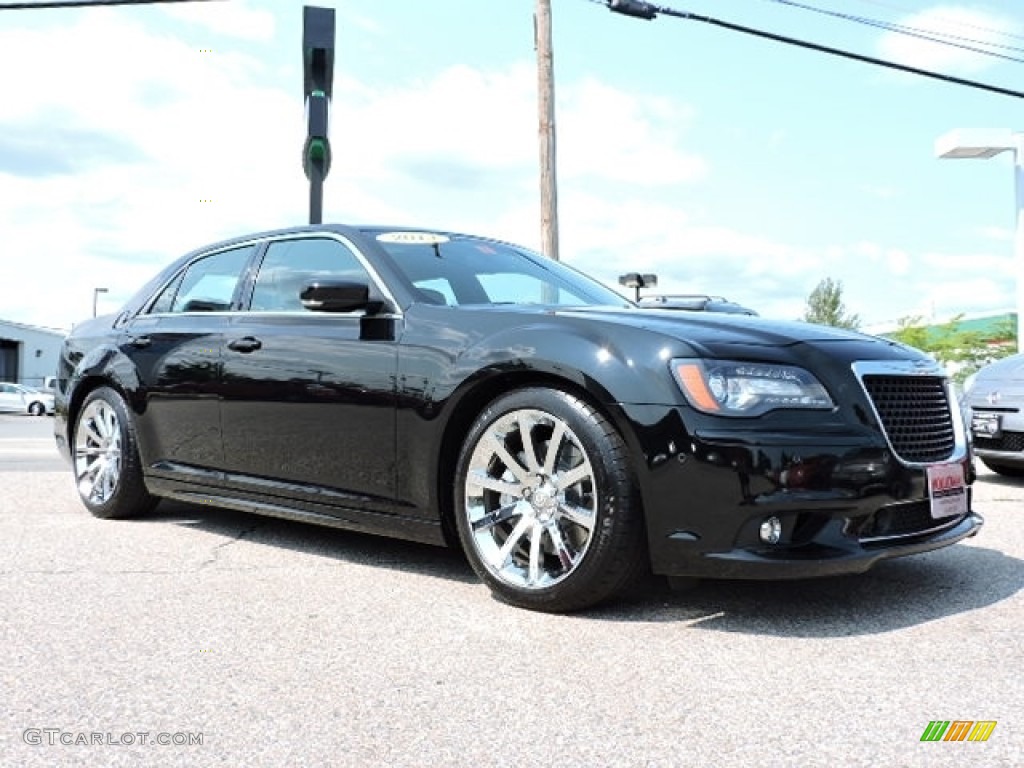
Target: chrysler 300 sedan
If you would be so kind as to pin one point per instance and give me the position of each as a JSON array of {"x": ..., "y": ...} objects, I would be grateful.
[{"x": 464, "y": 391}]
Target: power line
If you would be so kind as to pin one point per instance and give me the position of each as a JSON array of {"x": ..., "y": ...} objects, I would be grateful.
[
  {"x": 46, "y": 4},
  {"x": 947, "y": 20},
  {"x": 940, "y": 38},
  {"x": 644, "y": 10}
]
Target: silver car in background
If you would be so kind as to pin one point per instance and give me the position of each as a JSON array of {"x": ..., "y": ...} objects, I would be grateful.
[
  {"x": 994, "y": 397},
  {"x": 22, "y": 399}
]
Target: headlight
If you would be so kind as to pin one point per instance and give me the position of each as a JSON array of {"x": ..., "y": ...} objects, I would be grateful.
[{"x": 748, "y": 389}]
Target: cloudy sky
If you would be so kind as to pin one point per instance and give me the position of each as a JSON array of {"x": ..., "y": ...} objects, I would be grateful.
[{"x": 725, "y": 163}]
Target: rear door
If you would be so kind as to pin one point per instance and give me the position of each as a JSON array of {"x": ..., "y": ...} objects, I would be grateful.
[{"x": 176, "y": 345}]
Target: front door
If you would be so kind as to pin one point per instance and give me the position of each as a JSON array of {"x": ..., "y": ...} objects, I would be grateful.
[{"x": 309, "y": 397}]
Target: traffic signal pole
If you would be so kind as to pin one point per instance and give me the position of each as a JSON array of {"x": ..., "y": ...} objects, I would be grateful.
[{"x": 318, "y": 79}]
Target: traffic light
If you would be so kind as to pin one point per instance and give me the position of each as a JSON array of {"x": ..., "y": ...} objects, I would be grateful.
[{"x": 318, "y": 79}]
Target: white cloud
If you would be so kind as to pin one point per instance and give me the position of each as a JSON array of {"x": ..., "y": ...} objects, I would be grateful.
[
  {"x": 176, "y": 127},
  {"x": 999, "y": 234},
  {"x": 235, "y": 18},
  {"x": 609, "y": 133},
  {"x": 181, "y": 126},
  {"x": 103, "y": 178},
  {"x": 880, "y": 192},
  {"x": 973, "y": 294},
  {"x": 948, "y": 22}
]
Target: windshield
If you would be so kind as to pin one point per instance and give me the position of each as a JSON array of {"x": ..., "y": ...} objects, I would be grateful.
[{"x": 462, "y": 270}]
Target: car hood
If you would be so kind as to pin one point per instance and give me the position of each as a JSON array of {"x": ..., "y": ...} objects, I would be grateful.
[
  {"x": 717, "y": 332},
  {"x": 1008, "y": 370}
]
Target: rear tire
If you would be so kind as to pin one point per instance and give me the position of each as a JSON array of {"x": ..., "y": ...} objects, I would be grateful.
[
  {"x": 108, "y": 471},
  {"x": 546, "y": 505},
  {"x": 37, "y": 409}
]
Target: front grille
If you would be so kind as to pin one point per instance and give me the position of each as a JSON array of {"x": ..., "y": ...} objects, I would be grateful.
[
  {"x": 915, "y": 414},
  {"x": 1008, "y": 441},
  {"x": 898, "y": 520}
]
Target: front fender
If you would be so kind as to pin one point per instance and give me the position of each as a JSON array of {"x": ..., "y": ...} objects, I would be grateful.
[{"x": 615, "y": 365}]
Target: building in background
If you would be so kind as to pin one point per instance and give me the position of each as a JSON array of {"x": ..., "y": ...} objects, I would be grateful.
[{"x": 28, "y": 354}]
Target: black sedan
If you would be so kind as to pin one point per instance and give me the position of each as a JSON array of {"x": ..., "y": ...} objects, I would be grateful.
[{"x": 453, "y": 389}]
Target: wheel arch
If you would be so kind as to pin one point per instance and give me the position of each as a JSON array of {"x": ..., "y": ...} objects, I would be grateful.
[
  {"x": 104, "y": 367},
  {"x": 470, "y": 403}
]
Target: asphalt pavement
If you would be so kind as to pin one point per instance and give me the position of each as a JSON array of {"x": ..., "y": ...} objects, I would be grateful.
[{"x": 245, "y": 641}]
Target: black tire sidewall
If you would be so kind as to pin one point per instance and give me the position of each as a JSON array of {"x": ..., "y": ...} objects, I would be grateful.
[
  {"x": 616, "y": 528},
  {"x": 130, "y": 496}
]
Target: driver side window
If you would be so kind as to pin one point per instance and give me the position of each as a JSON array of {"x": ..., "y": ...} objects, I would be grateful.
[{"x": 291, "y": 265}]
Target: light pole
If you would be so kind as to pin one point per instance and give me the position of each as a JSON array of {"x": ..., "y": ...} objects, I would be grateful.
[
  {"x": 972, "y": 145},
  {"x": 95, "y": 296},
  {"x": 636, "y": 281}
]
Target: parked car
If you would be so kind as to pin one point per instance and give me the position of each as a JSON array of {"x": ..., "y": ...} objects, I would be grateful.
[
  {"x": 453, "y": 389},
  {"x": 694, "y": 302},
  {"x": 22, "y": 399},
  {"x": 994, "y": 397}
]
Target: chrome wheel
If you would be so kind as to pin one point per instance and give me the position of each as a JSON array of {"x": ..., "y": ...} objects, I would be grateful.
[
  {"x": 530, "y": 499},
  {"x": 98, "y": 452}
]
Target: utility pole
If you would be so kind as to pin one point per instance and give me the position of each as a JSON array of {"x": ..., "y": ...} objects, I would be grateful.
[{"x": 546, "y": 113}]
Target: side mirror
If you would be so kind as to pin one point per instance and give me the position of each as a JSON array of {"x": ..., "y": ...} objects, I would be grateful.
[{"x": 335, "y": 296}]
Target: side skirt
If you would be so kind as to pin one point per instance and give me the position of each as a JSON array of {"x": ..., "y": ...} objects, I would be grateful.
[{"x": 395, "y": 526}]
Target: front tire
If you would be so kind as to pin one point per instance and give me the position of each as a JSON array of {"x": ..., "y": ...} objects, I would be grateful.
[
  {"x": 108, "y": 471},
  {"x": 546, "y": 505}
]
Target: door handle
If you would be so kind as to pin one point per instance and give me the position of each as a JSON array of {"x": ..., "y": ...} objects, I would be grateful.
[
  {"x": 245, "y": 344},
  {"x": 140, "y": 342}
]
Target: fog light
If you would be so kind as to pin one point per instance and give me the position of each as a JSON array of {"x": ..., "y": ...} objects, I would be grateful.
[{"x": 771, "y": 530}]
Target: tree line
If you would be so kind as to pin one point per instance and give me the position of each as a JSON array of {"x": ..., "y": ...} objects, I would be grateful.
[{"x": 950, "y": 343}]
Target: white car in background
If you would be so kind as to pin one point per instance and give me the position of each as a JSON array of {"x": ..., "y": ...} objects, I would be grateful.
[
  {"x": 994, "y": 397},
  {"x": 21, "y": 399}
]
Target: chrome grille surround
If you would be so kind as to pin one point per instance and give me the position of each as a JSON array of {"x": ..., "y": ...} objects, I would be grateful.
[{"x": 942, "y": 430}]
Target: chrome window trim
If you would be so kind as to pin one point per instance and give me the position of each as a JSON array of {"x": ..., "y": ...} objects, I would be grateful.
[
  {"x": 396, "y": 310},
  {"x": 144, "y": 311},
  {"x": 910, "y": 369},
  {"x": 367, "y": 265}
]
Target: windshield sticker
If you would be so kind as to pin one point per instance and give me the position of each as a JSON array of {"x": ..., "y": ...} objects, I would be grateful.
[{"x": 411, "y": 238}]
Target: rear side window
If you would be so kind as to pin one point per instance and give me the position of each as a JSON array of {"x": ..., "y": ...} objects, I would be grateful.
[
  {"x": 206, "y": 285},
  {"x": 290, "y": 265}
]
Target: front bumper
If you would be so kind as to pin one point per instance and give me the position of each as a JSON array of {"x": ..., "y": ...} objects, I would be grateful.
[
  {"x": 1007, "y": 447},
  {"x": 831, "y": 553},
  {"x": 844, "y": 501}
]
